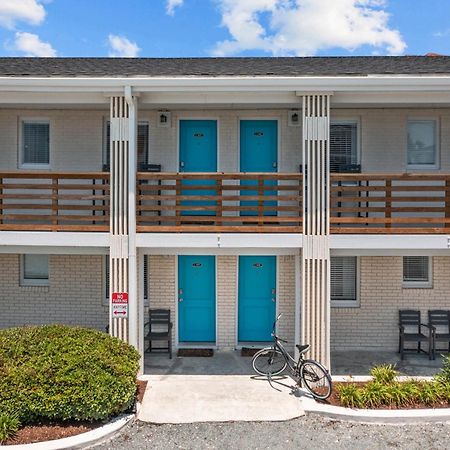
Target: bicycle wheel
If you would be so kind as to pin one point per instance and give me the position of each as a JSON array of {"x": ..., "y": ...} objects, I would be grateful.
[
  {"x": 316, "y": 379},
  {"x": 269, "y": 362}
]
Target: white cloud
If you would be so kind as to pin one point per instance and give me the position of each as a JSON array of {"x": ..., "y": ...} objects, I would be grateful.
[
  {"x": 31, "y": 45},
  {"x": 29, "y": 11},
  {"x": 121, "y": 46},
  {"x": 304, "y": 27},
  {"x": 171, "y": 5}
]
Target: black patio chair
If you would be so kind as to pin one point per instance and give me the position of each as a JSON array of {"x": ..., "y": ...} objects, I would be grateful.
[
  {"x": 439, "y": 322},
  {"x": 159, "y": 329},
  {"x": 411, "y": 330}
]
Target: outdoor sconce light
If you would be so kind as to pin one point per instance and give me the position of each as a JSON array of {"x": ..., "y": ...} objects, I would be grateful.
[
  {"x": 164, "y": 119},
  {"x": 293, "y": 118}
]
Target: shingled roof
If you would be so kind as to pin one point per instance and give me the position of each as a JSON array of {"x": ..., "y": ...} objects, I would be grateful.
[{"x": 225, "y": 67}]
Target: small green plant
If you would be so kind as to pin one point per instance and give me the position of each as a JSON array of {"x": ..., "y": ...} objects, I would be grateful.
[
  {"x": 384, "y": 373},
  {"x": 444, "y": 374},
  {"x": 350, "y": 395},
  {"x": 9, "y": 426}
]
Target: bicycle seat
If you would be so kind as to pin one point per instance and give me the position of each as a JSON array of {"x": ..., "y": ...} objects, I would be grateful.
[{"x": 302, "y": 348}]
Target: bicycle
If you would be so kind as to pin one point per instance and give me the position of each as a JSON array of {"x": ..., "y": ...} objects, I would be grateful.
[{"x": 272, "y": 361}]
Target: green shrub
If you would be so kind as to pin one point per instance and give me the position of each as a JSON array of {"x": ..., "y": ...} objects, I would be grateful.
[
  {"x": 349, "y": 395},
  {"x": 9, "y": 426},
  {"x": 58, "y": 372},
  {"x": 444, "y": 374},
  {"x": 384, "y": 373}
]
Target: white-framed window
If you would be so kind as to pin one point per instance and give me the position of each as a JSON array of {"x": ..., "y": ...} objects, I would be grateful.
[
  {"x": 35, "y": 143},
  {"x": 344, "y": 281},
  {"x": 344, "y": 148},
  {"x": 417, "y": 272},
  {"x": 34, "y": 270},
  {"x": 143, "y": 140},
  {"x": 106, "y": 280},
  {"x": 422, "y": 144}
]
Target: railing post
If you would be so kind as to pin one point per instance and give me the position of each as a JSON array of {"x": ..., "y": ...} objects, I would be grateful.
[
  {"x": 447, "y": 201},
  {"x": 219, "y": 204},
  {"x": 177, "y": 202},
  {"x": 1, "y": 201},
  {"x": 260, "y": 201},
  {"x": 388, "y": 204},
  {"x": 55, "y": 204}
]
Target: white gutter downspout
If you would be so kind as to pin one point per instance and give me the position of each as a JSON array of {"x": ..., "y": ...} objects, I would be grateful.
[{"x": 132, "y": 260}]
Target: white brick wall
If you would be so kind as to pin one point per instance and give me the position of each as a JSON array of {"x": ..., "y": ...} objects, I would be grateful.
[
  {"x": 74, "y": 295},
  {"x": 162, "y": 289},
  {"x": 374, "y": 324},
  {"x": 77, "y": 136}
]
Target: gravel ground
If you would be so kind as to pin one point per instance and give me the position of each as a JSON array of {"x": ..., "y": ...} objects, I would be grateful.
[{"x": 304, "y": 433}]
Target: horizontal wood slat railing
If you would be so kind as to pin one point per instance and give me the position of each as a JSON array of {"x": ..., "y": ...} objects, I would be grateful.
[
  {"x": 219, "y": 202},
  {"x": 413, "y": 203},
  {"x": 37, "y": 201}
]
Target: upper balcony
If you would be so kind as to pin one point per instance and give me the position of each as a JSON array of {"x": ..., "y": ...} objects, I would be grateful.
[{"x": 227, "y": 202}]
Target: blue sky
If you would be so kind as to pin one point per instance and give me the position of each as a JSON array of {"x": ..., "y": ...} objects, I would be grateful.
[{"x": 158, "y": 28}]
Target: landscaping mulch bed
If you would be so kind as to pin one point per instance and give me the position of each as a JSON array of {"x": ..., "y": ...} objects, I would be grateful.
[
  {"x": 50, "y": 431},
  {"x": 247, "y": 351},
  {"x": 202, "y": 352},
  {"x": 141, "y": 385},
  {"x": 334, "y": 401}
]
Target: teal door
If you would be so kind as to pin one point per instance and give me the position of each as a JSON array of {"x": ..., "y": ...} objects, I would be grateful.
[
  {"x": 198, "y": 153},
  {"x": 257, "y": 296},
  {"x": 196, "y": 299},
  {"x": 258, "y": 153}
]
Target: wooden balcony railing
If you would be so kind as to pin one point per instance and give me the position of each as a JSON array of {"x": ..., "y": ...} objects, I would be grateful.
[
  {"x": 35, "y": 201},
  {"x": 390, "y": 203},
  {"x": 219, "y": 202}
]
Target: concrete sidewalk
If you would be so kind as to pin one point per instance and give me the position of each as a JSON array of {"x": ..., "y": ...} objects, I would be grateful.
[{"x": 218, "y": 398}]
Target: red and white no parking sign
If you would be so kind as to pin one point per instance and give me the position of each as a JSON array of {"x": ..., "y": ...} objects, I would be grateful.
[{"x": 119, "y": 305}]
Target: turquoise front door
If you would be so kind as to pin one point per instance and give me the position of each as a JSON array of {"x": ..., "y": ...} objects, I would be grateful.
[
  {"x": 257, "y": 297},
  {"x": 198, "y": 153},
  {"x": 196, "y": 299},
  {"x": 258, "y": 153}
]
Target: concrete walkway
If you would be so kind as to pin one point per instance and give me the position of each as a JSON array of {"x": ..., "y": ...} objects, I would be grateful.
[{"x": 218, "y": 398}]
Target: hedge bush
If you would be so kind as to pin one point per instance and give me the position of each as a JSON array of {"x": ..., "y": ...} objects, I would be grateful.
[{"x": 58, "y": 372}]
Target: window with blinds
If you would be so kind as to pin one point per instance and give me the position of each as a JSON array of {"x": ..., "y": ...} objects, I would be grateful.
[
  {"x": 35, "y": 143},
  {"x": 142, "y": 144},
  {"x": 344, "y": 282},
  {"x": 343, "y": 145},
  {"x": 145, "y": 278},
  {"x": 417, "y": 271}
]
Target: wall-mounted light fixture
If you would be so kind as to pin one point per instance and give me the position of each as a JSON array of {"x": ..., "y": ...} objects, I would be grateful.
[
  {"x": 164, "y": 119},
  {"x": 293, "y": 118}
]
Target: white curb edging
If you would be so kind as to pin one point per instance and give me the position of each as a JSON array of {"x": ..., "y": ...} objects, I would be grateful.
[
  {"x": 380, "y": 416},
  {"x": 79, "y": 440}
]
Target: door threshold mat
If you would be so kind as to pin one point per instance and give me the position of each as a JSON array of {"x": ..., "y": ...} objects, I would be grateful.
[
  {"x": 204, "y": 352},
  {"x": 247, "y": 351}
]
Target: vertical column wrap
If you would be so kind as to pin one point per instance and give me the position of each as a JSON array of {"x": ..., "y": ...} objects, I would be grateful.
[{"x": 315, "y": 315}]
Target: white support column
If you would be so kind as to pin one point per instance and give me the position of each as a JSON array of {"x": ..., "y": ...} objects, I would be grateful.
[
  {"x": 123, "y": 272},
  {"x": 315, "y": 315}
]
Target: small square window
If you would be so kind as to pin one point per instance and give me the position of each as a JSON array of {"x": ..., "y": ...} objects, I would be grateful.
[
  {"x": 422, "y": 144},
  {"x": 417, "y": 272},
  {"x": 35, "y": 143},
  {"x": 344, "y": 281},
  {"x": 34, "y": 270}
]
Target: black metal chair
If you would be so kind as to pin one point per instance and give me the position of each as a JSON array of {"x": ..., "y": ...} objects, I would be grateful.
[
  {"x": 410, "y": 328},
  {"x": 439, "y": 322},
  {"x": 159, "y": 329}
]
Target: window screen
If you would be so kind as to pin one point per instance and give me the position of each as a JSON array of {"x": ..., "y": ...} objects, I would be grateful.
[
  {"x": 35, "y": 269},
  {"x": 36, "y": 143},
  {"x": 343, "y": 145},
  {"x": 344, "y": 278},
  {"x": 416, "y": 269},
  {"x": 422, "y": 142},
  {"x": 142, "y": 143}
]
